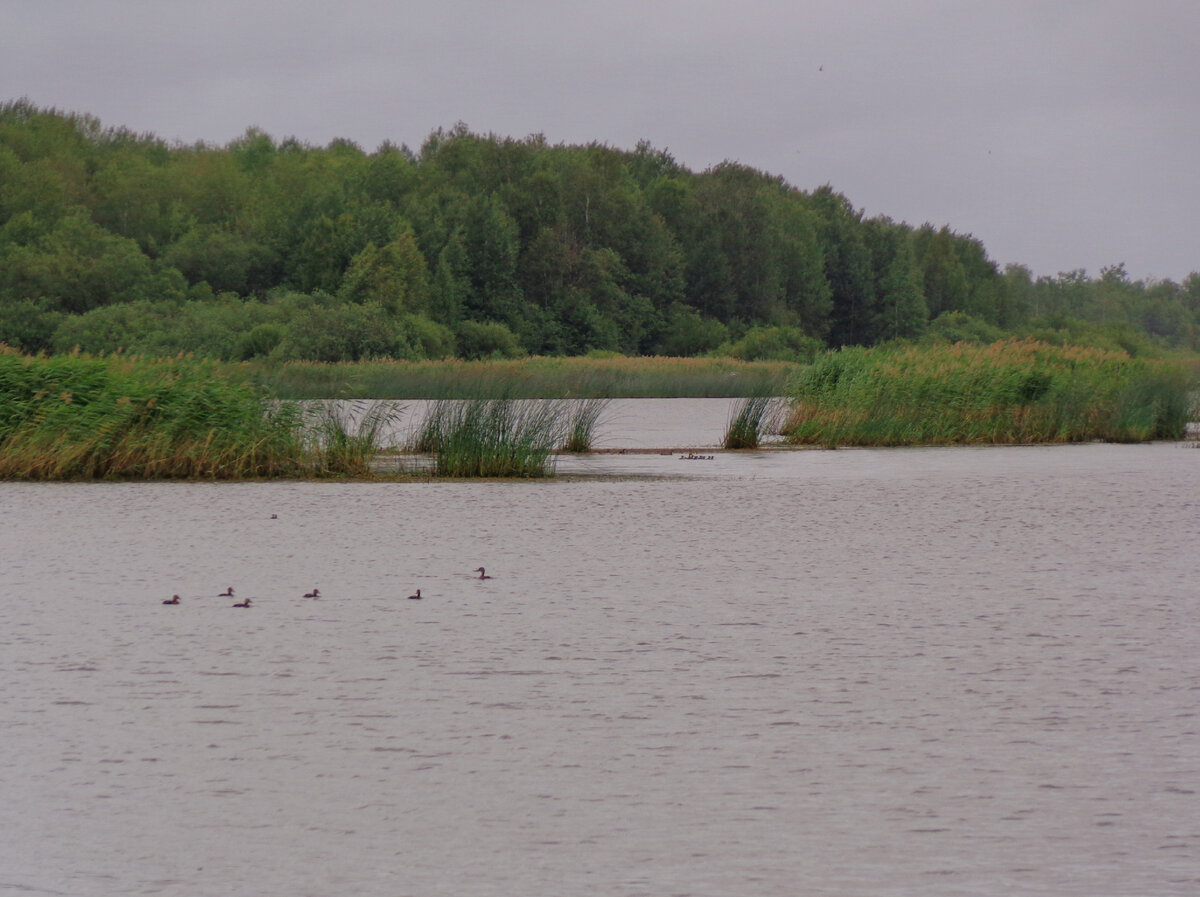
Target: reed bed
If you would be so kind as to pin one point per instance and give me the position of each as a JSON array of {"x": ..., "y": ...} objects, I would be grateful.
[
  {"x": 343, "y": 439},
  {"x": 582, "y": 416},
  {"x": 1012, "y": 392},
  {"x": 751, "y": 420},
  {"x": 491, "y": 437},
  {"x": 72, "y": 417},
  {"x": 528, "y": 378}
]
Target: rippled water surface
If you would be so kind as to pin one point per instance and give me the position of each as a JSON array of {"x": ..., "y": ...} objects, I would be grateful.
[{"x": 905, "y": 672}]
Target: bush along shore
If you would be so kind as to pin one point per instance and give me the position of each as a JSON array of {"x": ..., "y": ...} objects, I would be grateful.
[{"x": 1011, "y": 392}]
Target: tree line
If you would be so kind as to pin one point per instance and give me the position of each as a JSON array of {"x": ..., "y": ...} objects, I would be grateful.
[{"x": 478, "y": 245}]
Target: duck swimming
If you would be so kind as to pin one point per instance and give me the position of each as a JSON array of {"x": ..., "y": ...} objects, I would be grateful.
[
  {"x": 174, "y": 599},
  {"x": 243, "y": 603},
  {"x": 315, "y": 593},
  {"x": 228, "y": 593},
  {"x": 416, "y": 597},
  {"x": 482, "y": 575}
]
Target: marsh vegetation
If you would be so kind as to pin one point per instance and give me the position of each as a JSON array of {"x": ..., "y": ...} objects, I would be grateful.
[
  {"x": 753, "y": 419},
  {"x": 74, "y": 417},
  {"x": 79, "y": 417},
  {"x": 1011, "y": 392}
]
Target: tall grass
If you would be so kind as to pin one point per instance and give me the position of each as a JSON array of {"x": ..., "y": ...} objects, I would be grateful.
[
  {"x": 576, "y": 377},
  {"x": 345, "y": 438},
  {"x": 751, "y": 420},
  {"x": 70, "y": 417},
  {"x": 582, "y": 416},
  {"x": 75, "y": 417},
  {"x": 1009, "y": 392},
  {"x": 491, "y": 437}
]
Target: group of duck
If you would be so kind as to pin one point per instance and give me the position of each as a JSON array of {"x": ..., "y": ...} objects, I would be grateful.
[{"x": 315, "y": 593}]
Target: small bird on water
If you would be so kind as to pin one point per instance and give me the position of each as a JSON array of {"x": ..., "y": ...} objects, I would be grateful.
[
  {"x": 416, "y": 597},
  {"x": 174, "y": 599},
  {"x": 482, "y": 575},
  {"x": 228, "y": 593},
  {"x": 243, "y": 603},
  {"x": 315, "y": 593}
]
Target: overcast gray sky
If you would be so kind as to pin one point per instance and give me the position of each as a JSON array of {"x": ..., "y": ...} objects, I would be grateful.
[{"x": 1064, "y": 134}]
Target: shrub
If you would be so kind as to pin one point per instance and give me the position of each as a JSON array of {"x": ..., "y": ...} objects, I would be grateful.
[
  {"x": 774, "y": 344},
  {"x": 486, "y": 340}
]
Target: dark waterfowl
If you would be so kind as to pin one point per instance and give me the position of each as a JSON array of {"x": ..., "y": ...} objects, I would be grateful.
[
  {"x": 243, "y": 603},
  {"x": 315, "y": 593},
  {"x": 482, "y": 575},
  {"x": 416, "y": 597},
  {"x": 228, "y": 593},
  {"x": 174, "y": 599}
]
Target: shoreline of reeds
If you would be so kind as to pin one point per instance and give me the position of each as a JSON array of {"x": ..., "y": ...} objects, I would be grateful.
[
  {"x": 76, "y": 417},
  {"x": 1016, "y": 392}
]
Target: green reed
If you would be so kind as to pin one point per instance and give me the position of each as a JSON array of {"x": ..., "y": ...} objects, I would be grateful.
[
  {"x": 75, "y": 417},
  {"x": 1010, "y": 392},
  {"x": 70, "y": 417},
  {"x": 582, "y": 416},
  {"x": 491, "y": 437},
  {"x": 751, "y": 420},
  {"x": 345, "y": 438}
]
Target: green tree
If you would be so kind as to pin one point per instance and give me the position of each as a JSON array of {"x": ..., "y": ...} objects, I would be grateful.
[
  {"x": 848, "y": 270},
  {"x": 944, "y": 277},
  {"x": 491, "y": 244},
  {"x": 224, "y": 260},
  {"x": 394, "y": 276},
  {"x": 902, "y": 313},
  {"x": 28, "y": 325},
  {"x": 349, "y": 332},
  {"x": 486, "y": 339},
  {"x": 686, "y": 333},
  {"x": 77, "y": 266}
]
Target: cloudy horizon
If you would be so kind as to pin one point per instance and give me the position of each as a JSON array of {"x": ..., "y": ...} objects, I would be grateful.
[{"x": 1061, "y": 134}]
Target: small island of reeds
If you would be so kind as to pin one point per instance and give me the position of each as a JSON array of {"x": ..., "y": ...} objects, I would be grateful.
[{"x": 1011, "y": 392}]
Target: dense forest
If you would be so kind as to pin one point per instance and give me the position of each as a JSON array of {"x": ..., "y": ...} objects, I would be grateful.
[{"x": 481, "y": 246}]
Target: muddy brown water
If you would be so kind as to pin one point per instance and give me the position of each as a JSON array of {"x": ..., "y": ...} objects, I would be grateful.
[{"x": 902, "y": 672}]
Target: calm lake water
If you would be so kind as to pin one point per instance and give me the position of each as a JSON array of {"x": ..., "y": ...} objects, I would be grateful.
[{"x": 858, "y": 672}]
